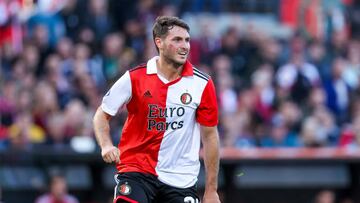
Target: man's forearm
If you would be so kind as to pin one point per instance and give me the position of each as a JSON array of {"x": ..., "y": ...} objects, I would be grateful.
[
  {"x": 102, "y": 128},
  {"x": 109, "y": 152},
  {"x": 211, "y": 159}
]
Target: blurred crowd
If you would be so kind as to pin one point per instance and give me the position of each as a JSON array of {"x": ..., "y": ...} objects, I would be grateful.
[{"x": 58, "y": 58}]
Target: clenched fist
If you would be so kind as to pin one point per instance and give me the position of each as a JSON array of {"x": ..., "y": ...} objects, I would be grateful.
[{"x": 110, "y": 154}]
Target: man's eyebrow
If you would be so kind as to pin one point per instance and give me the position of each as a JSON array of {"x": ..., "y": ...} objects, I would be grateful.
[{"x": 178, "y": 37}]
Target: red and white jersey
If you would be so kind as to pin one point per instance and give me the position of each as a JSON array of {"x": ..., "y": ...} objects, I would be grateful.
[{"x": 161, "y": 135}]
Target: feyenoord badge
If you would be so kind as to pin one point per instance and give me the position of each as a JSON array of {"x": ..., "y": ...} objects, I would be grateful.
[
  {"x": 185, "y": 98},
  {"x": 125, "y": 189}
]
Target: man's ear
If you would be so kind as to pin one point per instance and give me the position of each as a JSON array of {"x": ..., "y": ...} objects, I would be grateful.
[{"x": 158, "y": 42}]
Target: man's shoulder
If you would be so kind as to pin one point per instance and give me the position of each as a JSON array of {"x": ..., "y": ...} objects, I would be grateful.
[
  {"x": 200, "y": 74},
  {"x": 138, "y": 68},
  {"x": 137, "y": 72}
]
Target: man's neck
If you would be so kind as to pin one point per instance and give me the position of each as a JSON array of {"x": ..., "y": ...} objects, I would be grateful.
[{"x": 168, "y": 70}]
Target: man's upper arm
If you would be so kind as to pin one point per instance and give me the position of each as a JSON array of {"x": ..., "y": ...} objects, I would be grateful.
[
  {"x": 207, "y": 112},
  {"x": 118, "y": 95}
]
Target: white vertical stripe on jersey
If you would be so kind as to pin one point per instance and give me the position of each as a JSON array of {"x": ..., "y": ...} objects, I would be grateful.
[{"x": 178, "y": 160}]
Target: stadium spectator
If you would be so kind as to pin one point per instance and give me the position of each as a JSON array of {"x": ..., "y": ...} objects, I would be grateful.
[
  {"x": 240, "y": 126},
  {"x": 350, "y": 136},
  {"x": 316, "y": 55},
  {"x": 57, "y": 79},
  {"x": 45, "y": 103},
  {"x": 338, "y": 91},
  {"x": 24, "y": 133},
  {"x": 73, "y": 17},
  {"x": 352, "y": 64},
  {"x": 225, "y": 83},
  {"x": 230, "y": 46},
  {"x": 296, "y": 78},
  {"x": 279, "y": 135},
  {"x": 354, "y": 18},
  {"x": 55, "y": 137},
  {"x": 319, "y": 129},
  {"x": 262, "y": 83},
  {"x": 114, "y": 46},
  {"x": 98, "y": 19},
  {"x": 11, "y": 30},
  {"x": 46, "y": 25},
  {"x": 325, "y": 196},
  {"x": 58, "y": 192},
  {"x": 33, "y": 58}
]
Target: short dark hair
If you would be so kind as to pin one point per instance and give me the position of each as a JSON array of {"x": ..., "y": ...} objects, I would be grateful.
[{"x": 165, "y": 23}]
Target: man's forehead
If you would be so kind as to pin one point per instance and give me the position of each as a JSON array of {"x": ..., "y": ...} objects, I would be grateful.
[{"x": 178, "y": 31}]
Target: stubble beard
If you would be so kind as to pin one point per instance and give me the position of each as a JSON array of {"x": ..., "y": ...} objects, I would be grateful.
[{"x": 170, "y": 60}]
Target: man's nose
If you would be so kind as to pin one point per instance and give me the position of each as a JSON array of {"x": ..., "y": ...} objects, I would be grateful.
[{"x": 185, "y": 45}]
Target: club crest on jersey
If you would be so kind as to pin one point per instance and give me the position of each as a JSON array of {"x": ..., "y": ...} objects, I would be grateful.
[
  {"x": 185, "y": 98},
  {"x": 125, "y": 189}
]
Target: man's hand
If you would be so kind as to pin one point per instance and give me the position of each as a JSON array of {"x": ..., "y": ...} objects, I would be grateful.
[
  {"x": 110, "y": 154},
  {"x": 211, "y": 197},
  {"x": 102, "y": 133}
]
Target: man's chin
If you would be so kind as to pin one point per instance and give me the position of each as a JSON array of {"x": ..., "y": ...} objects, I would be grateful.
[{"x": 180, "y": 61}]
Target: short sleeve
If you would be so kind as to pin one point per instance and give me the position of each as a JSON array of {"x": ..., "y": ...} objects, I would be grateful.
[
  {"x": 207, "y": 112},
  {"x": 118, "y": 95}
]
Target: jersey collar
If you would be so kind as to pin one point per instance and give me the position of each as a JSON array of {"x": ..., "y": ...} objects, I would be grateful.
[{"x": 151, "y": 67}]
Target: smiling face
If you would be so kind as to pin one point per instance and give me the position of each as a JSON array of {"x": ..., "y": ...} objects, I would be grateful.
[{"x": 175, "y": 46}]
